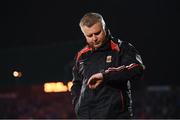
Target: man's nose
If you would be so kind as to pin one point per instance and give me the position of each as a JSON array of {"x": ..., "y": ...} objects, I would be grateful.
[{"x": 94, "y": 37}]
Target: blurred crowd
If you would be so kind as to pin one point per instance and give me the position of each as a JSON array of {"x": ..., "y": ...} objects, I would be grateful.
[
  {"x": 157, "y": 104},
  {"x": 34, "y": 103}
]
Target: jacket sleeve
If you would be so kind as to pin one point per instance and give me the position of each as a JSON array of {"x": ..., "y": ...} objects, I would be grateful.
[
  {"x": 77, "y": 83},
  {"x": 130, "y": 66}
]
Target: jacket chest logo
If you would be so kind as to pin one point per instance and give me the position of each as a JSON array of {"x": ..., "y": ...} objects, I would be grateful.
[{"x": 109, "y": 59}]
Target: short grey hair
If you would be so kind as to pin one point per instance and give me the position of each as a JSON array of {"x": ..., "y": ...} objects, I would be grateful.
[{"x": 90, "y": 18}]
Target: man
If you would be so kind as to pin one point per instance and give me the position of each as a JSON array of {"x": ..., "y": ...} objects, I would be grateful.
[{"x": 103, "y": 72}]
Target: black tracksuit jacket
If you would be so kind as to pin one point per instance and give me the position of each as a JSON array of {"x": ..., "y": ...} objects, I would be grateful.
[{"x": 112, "y": 98}]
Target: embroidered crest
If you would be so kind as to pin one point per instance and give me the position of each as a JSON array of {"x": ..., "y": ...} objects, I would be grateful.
[{"x": 108, "y": 59}]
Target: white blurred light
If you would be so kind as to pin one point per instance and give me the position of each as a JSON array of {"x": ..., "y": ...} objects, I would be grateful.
[{"x": 17, "y": 74}]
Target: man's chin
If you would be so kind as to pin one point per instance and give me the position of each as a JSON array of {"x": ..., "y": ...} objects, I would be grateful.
[{"x": 97, "y": 46}]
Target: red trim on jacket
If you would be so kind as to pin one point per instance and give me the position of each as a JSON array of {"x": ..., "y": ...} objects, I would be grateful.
[
  {"x": 84, "y": 50},
  {"x": 132, "y": 66},
  {"x": 114, "y": 46}
]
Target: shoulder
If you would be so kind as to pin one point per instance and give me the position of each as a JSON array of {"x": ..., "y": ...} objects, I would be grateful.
[
  {"x": 83, "y": 51},
  {"x": 125, "y": 45},
  {"x": 122, "y": 44}
]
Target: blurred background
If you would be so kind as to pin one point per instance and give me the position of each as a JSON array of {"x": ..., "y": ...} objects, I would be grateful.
[{"x": 39, "y": 39}]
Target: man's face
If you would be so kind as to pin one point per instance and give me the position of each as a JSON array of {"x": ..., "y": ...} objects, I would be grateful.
[{"x": 95, "y": 35}]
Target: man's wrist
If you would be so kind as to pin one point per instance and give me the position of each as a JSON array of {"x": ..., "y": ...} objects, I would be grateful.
[{"x": 104, "y": 76}]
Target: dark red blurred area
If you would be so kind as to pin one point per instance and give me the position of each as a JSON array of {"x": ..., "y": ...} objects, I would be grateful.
[{"x": 33, "y": 103}]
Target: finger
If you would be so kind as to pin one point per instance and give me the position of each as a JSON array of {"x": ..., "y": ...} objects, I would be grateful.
[
  {"x": 90, "y": 86},
  {"x": 93, "y": 87},
  {"x": 89, "y": 81},
  {"x": 106, "y": 71},
  {"x": 96, "y": 85},
  {"x": 92, "y": 82}
]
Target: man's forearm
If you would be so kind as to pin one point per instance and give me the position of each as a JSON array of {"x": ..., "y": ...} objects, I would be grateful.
[{"x": 123, "y": 73}]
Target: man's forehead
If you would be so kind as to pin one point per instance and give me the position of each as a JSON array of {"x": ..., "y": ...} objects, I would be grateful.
[{"x": 93, "y": 29}]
